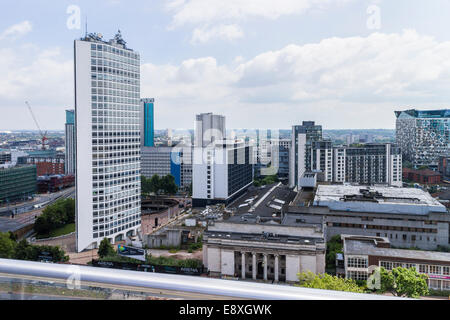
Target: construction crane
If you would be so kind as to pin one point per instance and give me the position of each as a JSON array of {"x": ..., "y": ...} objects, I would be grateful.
[{"x": 44, "y": 138}]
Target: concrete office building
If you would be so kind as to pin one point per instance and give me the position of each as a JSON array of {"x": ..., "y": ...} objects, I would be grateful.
[
  {"x": 363, "y": 254},
  {"x": 280, "y": 156},
  {"x": 409, "y": 217},
  {"x": 148, "y": 122},
  {"x": 162, "y": 161},
  {"x": 301, "y": 151},
  {"x": 263, "y": 251},
  {"x": 107, "y": 106},
  {"x": 70, "y": 152},
  {"x": 222, "y": 172},
  {"x": 423, "y": 135},
  {"x": 209, "y": 128}
]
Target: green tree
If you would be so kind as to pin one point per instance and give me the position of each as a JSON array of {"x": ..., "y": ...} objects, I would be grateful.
[
  {"x": 168, "y": 185},
  {"x": 334, "y": 246},
  {"x": 55, "y": 216},
  {"x": 145, "y": 185},
  {"x": 7, "y": 246},
  {"x": 105, "y": 249},
  {"x": 328, "y": 282},
  {"x": 403, "y": 282},
  {"x": 155, "y": 184}
]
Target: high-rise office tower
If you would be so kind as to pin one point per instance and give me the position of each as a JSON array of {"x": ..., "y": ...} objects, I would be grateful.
[
  {"x": 107, "y": 106},
  {"x": 70, "y": 143},
  {"x": 222, "y": 170},
  {"x": 209, "y": 128},
  {"x": 300, "y": 153},
  {"x": 423, "y": 136},
  {"x": 147, "y": 122}
]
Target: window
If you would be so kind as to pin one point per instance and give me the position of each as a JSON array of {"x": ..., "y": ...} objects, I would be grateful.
[
  {"x": 357, "y": 262},
  {"x": 357, "y": 275},
  {"x": 423, "y": 268},
  {"x": 387, "y": 265},
  {"x": 435, "y": 269}
]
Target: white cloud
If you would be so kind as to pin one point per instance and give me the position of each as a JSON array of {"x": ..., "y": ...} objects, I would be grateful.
[
  {"x": 370, "y": 75},
  {"x": 201, "y": 11},
  {"x": 43, "y": 77},
  {"x": 218, "y": 18},
  {"x": 339, "y": 82},
  {"x": 224, "y": 32},
  {"x": 16, "y": 31}
]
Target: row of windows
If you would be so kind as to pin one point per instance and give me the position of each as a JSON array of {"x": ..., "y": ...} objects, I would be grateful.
[
  {"x": 422, "y": 268},
  {"x": 115, "y": 65},
  {"x": 114, "y": 78},
  {"x": 103, "y": 50},
  {"x": 116, "y": 230},
  {"x": 377, "y": 227}
]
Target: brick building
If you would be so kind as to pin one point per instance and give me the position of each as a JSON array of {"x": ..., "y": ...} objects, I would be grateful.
[
  {"x": 425, "y": 176},
  {"x": 363, "y": 253}
]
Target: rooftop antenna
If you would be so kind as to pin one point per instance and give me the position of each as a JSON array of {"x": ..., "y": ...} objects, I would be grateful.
[{"x": 86, "y": 26}]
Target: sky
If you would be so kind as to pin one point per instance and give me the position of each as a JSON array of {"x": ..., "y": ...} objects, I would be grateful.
[{"x": 346, "y": 64}]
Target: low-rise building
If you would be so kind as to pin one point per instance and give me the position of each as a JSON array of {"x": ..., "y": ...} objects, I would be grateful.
[
  {"x": 444, "y": 166},
  {"x": 258, "y": 240},
  {"x": 409, "y": 217},
  {"x": 424, "y": 176},
  {"x": 270, "y": 252},
  {"x": 361, "y": 254}
]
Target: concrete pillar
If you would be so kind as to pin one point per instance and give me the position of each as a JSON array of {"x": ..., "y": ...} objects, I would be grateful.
[
  {"x": 254, "y": 266},
  {"x": 243, "y": 265},
  {"x": 276, "y": 267},
  {"x": 265, "y": 266}
]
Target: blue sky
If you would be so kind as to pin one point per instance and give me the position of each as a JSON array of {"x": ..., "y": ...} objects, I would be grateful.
[{"x": 261, "y": 63}]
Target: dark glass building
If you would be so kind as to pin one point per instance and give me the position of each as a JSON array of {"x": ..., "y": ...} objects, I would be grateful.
[{"x": 17, "y": 183}]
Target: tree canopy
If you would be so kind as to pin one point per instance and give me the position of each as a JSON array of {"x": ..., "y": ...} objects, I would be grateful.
[
  {"x": 55, "y": 216},
  {"x": 10, "y": 249},
  {"x": 158, "y": 185},
  {"x": 105, "y": 249},
  {"x": 334, "y": 246},
  {"x": 328, "y": 282},
  {"x": 403, "y": 282}
]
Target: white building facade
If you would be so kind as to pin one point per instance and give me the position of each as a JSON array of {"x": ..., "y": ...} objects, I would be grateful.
[
  {"x": 107, "y": 106},
  {"x": 266, "y": 252},
  {"x": 221, "y": 172}
]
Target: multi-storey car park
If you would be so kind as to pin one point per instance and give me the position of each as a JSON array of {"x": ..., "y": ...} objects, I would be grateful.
[{"x": 107, "y": 103}]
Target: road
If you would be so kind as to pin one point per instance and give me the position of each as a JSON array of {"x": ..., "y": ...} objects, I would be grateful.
[
  {"x": 27, "y": 213},
  {"x": 40, "y": 200}
]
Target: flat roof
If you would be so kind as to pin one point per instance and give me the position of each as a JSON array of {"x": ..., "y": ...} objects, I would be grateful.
[
  {"x": 368, "y": 247},
  {"x": 262, "y": 202},
  {"x": 377, "y": 199},
  {"x": 267, "y": 237}
]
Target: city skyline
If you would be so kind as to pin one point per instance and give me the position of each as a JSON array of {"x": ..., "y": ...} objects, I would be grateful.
[{"x": 373, "y": 58}]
